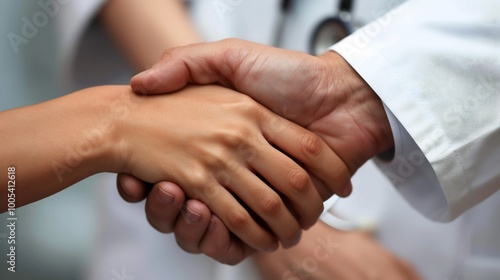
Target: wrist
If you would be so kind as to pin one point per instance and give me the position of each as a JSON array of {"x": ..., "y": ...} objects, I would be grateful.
[
  {"x": 108, "y": 108},
  {"x": 360, "y": 102}
]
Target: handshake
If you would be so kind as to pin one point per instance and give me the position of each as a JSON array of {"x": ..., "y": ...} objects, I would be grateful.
[{"x": 249, "y": 170}]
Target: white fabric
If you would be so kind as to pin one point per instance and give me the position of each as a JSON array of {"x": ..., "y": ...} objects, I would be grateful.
[
  {"x": 72, "y": 23},
  {"x": 436, "y": 65}
]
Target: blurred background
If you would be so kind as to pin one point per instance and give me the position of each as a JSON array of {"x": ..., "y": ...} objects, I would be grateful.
[{"x": 54, "y": 236}]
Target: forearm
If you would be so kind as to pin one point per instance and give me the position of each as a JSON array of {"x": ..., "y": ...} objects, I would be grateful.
[
  {"x": 59, "y": 142},
  {"x": 144, "y": 31}
]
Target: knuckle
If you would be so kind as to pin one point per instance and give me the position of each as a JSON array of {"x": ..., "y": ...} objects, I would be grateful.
[
  {"x": 166, "y": 54},
  {"x": 198, "y": 180},
  {"x": 199, "y": 177},
  {"x": 218, "y": 156},
  {"x": 312, "y": 144},
  {"x": 247, "y": 105},
  {"x": 231, "y": 41},
  {"x": 271, "y": 204},
  {"x": 232, "y": 44},
  {"x": 169, "y": 53},
  {"x": 237, "y": 135},
  {"x": 238, "y": 219},
  {"x": 233, "y": 53},
  {"x": 299, "y": 180}
]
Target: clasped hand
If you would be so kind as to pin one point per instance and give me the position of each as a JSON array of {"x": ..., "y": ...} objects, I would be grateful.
[
  {"x": 235, "y": 156},
  {"x": 322, "y": 94}
]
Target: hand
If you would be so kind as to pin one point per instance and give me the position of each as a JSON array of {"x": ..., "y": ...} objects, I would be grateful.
[
  {"x": 196, "y": 229},
  {"x": 328, "y": 253},
  {"x": 335, "y": 254},
  {"x": 211, "y": 141},
  {"x": 323, "y": 94}
]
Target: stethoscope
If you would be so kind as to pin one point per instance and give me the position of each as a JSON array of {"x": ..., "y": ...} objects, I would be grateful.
[{"x": 328, "y": 32}]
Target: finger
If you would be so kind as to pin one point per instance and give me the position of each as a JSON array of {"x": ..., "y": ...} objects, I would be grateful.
[
  {"x": 324, "y": 192},
  {"x": 198, "y": 63},
  {"x": 218, "y": 243},
  {"x": 163, "y": 206},
  {"x": 265, "y": 202},
  {"x": 311, "y": 151},
  {"x": 227, "y": 62},
  {"x": 206, "y": 188},
  {"x": 191, "y": 226},
  {"x": 287, "y": 177},
  {"x": 132, "y": 189},
  {"x": 346, "y": 189},
  {"x": 236, "y": 218}
]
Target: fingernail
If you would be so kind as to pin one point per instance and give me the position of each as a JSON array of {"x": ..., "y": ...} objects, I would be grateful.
[
  {"x": 191, "y": 216},
  {"x": 127, "y": 190},
  {"x": 211, "y": 226},
  {"x": 164, "y": 196},
  {"x": 273, "y": 247},
  {"x": 139, "y": 90},
  {"x": 296, "y": 240},
  {"x": 142, "y": 74},
  {"x": 151, "y": 83}
]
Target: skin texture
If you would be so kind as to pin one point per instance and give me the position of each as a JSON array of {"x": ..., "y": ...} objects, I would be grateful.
[
  {"x": 323, "y": 94},
  {"x": 328, "y": 253},
  {"x": 143, "y": 32},
  {"x": 208, "y": 139},
  {"x": 232, "y": 138},
  {"x": 319, "y": 93}
]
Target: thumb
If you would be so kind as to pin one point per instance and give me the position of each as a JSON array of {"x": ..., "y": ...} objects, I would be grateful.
[{"x": 203, "y": 63}]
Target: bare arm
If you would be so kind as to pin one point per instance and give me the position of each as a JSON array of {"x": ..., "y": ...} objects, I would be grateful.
[
  {"x": 144, "y": 31},
  {"x": 57, "y": 143},
  {"x": 207, "y": 139}
]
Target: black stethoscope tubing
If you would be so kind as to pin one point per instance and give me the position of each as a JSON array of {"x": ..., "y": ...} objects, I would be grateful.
[{"x": 327, "y": 32}]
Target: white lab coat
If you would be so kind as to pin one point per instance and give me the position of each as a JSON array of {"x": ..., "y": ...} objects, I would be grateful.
[{"x": 467, "y": 248}]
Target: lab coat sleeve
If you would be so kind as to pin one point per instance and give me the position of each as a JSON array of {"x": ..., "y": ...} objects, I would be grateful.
[
  {"x": 72, "y": 20},
  {"x": 435, "y": 64}
]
